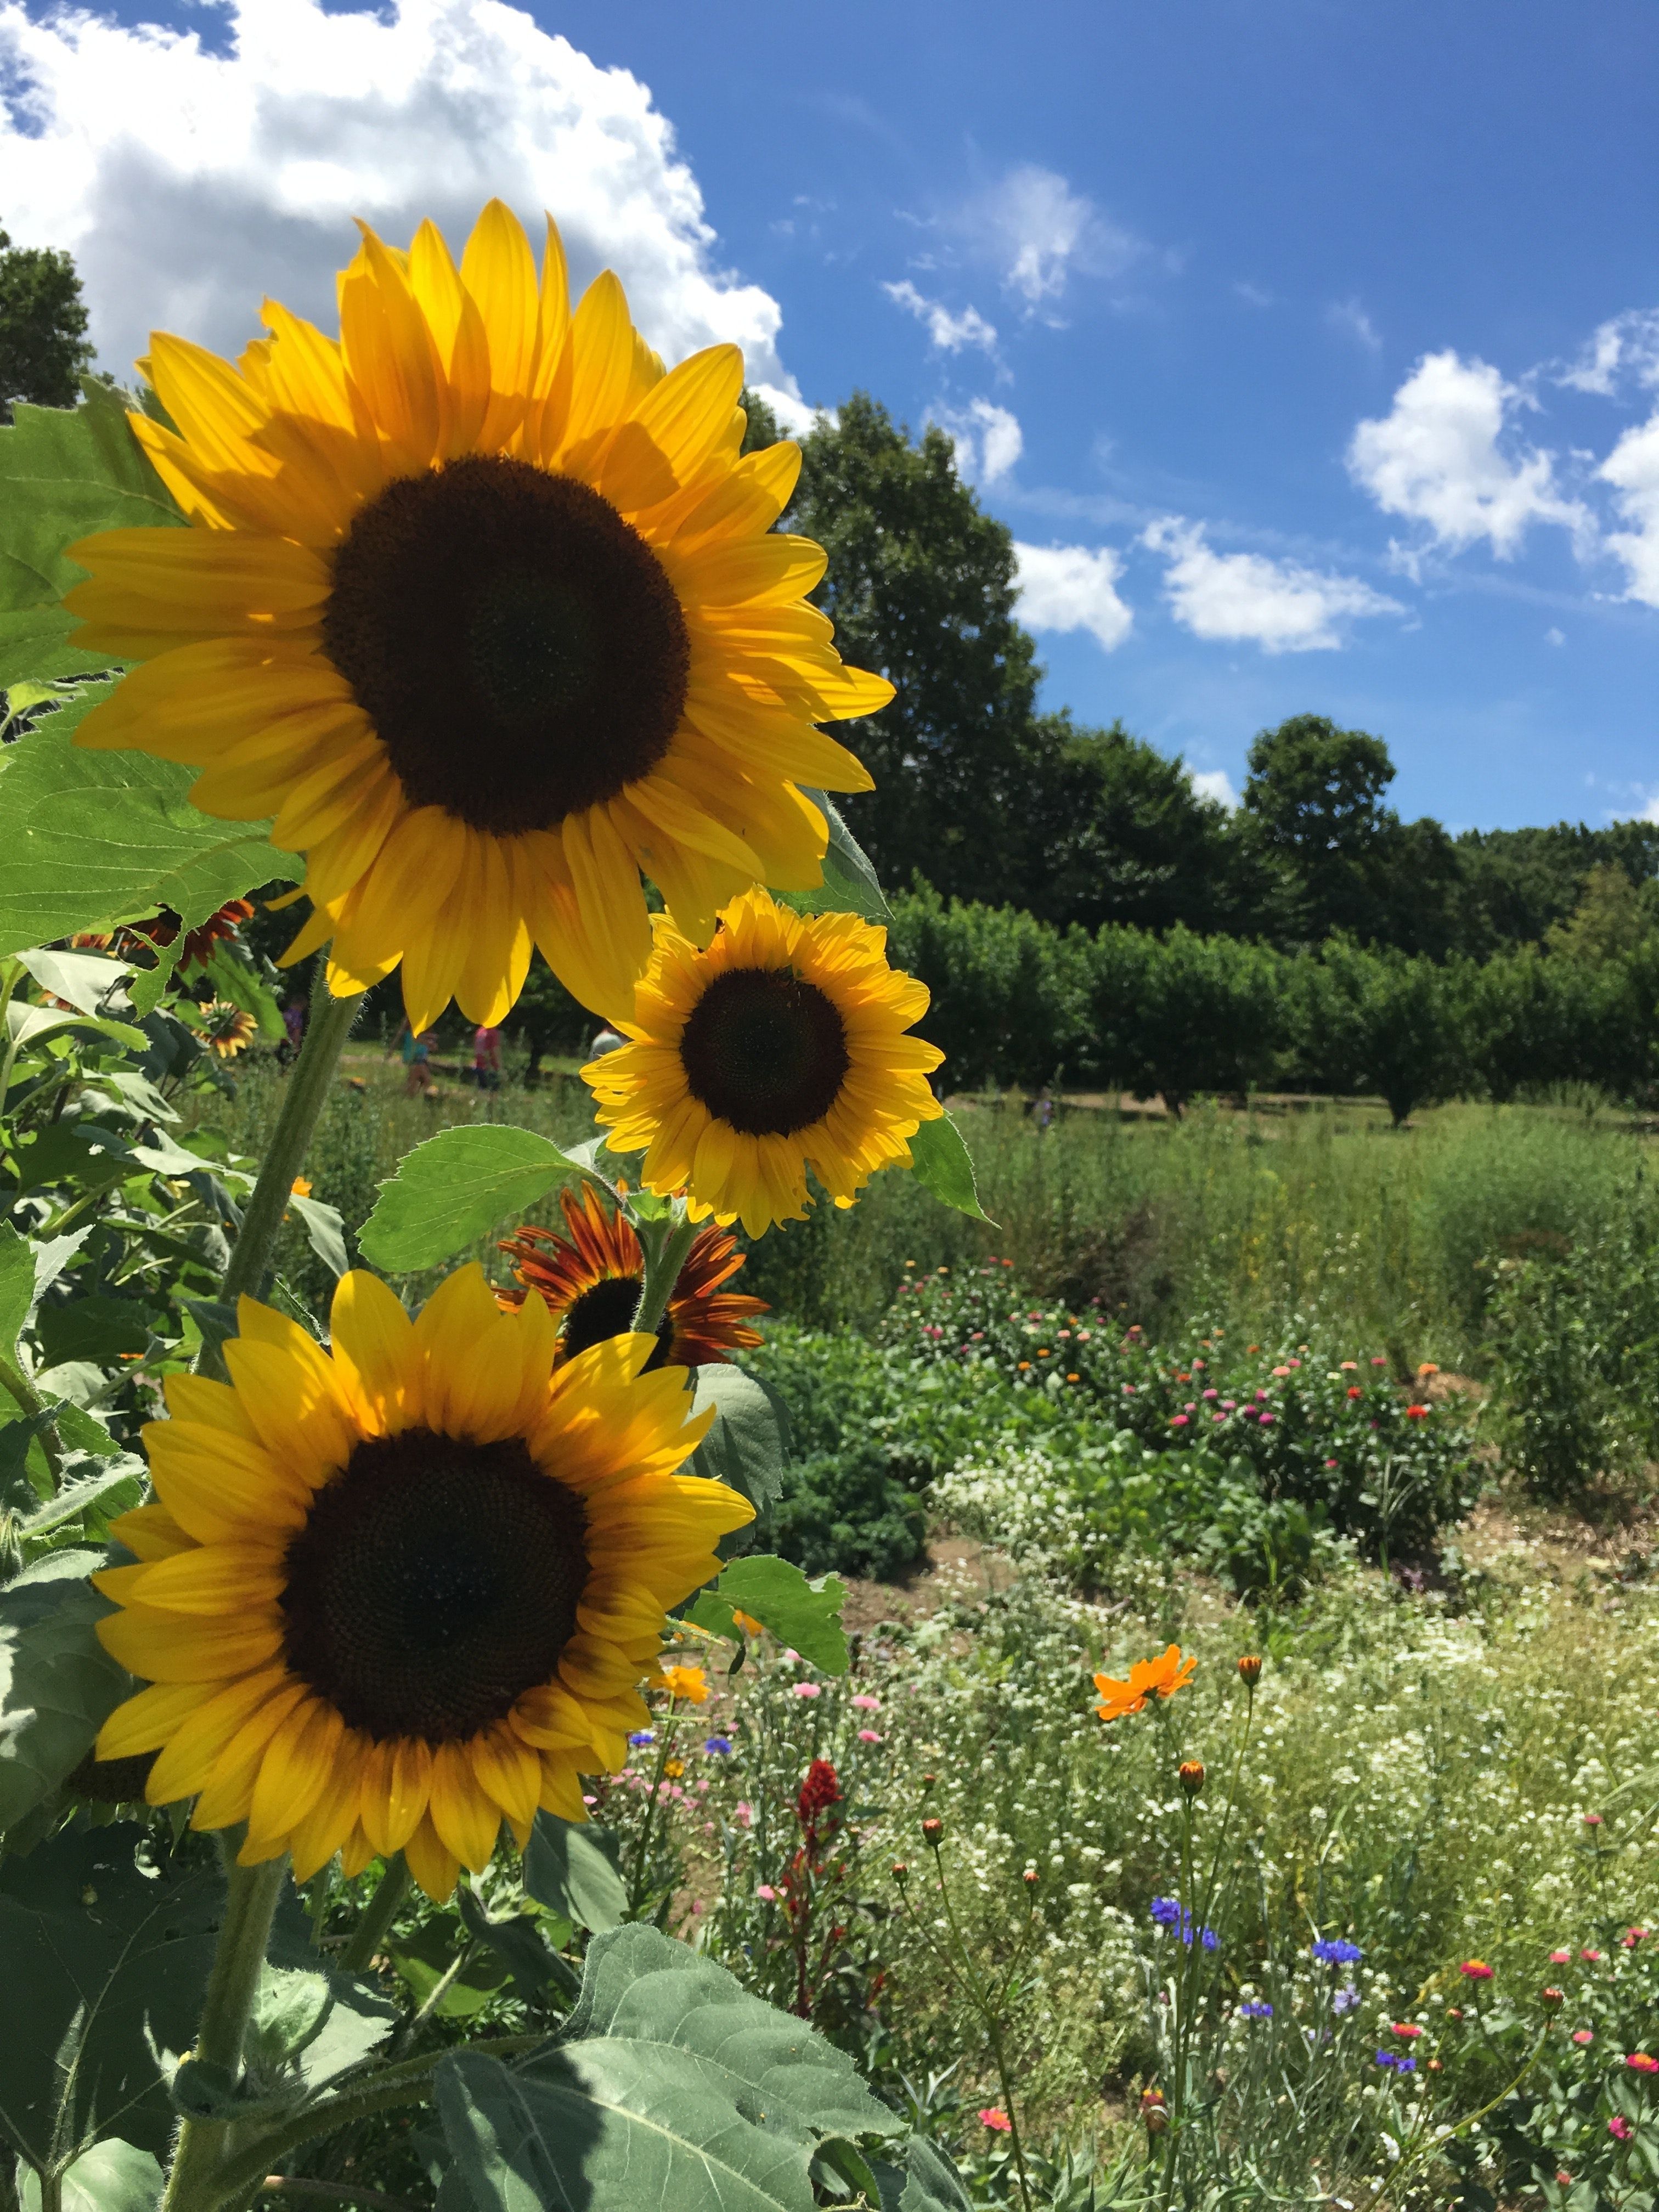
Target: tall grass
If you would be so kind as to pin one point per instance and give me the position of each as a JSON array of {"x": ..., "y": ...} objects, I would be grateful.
[{"x": 1244, "y": 1218}]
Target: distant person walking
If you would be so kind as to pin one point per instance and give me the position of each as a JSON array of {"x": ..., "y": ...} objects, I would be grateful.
[
  {"x": 417, "y": 1050},
  {"x": 605, "y": 1040},
  {"x": 293, "y": 1030},
  {"x": 1042, "y": 1110},
  {"x": 487, "y": 1058}
]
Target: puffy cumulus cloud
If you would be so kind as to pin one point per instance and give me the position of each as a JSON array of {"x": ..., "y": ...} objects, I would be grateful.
[
  {"x": 1068, "y": 587},
  {"x": 1214, "y": 784},
  {"x": 188, "y": 183},
  {"x": 1623, "y": 349},
  {"x": 946, "y": 332},
  {"x": 1632, "y": 469},
  {"x": 987, "y": 438},
  {"x": 1036, "y": 231},
  {"x": 1240, "y": 598},
  {"x": 1436, "y": 458}
]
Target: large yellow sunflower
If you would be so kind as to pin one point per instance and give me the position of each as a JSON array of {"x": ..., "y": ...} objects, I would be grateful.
[
  {"x": 781, "y": 1047},
  {"x": 591, "y": 1281},
  {"x": 483, "y": 605},
  {"x": 389, "y": 1597}
]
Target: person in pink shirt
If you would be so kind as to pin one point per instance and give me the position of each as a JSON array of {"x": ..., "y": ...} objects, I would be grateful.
[{"x": 487, "y": 1058}]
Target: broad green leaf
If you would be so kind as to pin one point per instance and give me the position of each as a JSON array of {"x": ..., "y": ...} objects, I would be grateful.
[
  {"x": 163, "y": 1157},
  {"x": 308, "y": 2027},
  {"x": 849, "y": 884},
  {"x": 324, "y": 1229},
  {"x": 92, "y": 839},
  {"x": 16, "y": 1287},
  {"x": 57, "y": 1683},
  {"x": 113, "y": 1489},
  {"x": 64, "y": 472},
  {"x": 424, "y": 1956},
  {"x": 517, "y": 1941},
  {"x": 85, "y": 979},
  {"x": 236, "y": 984},
  {"x": 95, "y": 1328},
  {"x": 931, "y": 2184},
  {"x": 456, "y": 1188},
  {"x": 940, "y": 1162},
  {"x": 670, "y": 2085},
  {"x": 28, "y": 1025},
  {"x": 576, "y": 1872},
  {"x": 39, "y": 642},
  {"x": 84, "y": 1930},
  {"x": 112, "y": 2177},
  {"x": 802, "y": 1614},
  {"x": 749, "y": 1442}
]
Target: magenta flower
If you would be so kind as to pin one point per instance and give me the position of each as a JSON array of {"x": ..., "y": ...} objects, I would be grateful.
[
  {"x": 1620, "y": 2127},
  {"x": 866, "y": 1704}
]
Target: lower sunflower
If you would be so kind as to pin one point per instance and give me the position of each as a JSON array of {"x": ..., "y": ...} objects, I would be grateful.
[
  {"x": 783, "y": 1047},
  {"x": 389, "y": 1597},
  {"x": 591, "y": 1284}
]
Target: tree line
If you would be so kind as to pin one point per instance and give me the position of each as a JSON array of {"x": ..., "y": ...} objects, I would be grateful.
[{"x": 1017, "y": 1002}]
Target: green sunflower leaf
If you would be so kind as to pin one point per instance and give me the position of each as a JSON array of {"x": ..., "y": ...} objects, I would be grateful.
[
  {"x": 325, "y": 1231},
  {"x": 749, "y": 1442},
  {"x": 92, "y": 839},
  {"x": 455, "y": 1189},
  {"x": 57, "y": 1683},
  {"x": 114, "y": 1958},
  {"x": 669, "y": 2084},
  {"x": 112, "y": 2177},
  {"x": 802, "y": 1614},
  {"x": 849, "y": 884},
  {"x": 64, "y": 472},
  {"x": 940, "y": 1162},
  {"x": 576, "y": 1872}
]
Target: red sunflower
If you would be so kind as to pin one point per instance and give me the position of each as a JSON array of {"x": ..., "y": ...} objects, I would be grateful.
[{"x": 591, "y": 1281}]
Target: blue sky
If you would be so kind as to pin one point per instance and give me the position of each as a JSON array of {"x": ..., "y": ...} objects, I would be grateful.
[{"x": 1309, "y": 349}]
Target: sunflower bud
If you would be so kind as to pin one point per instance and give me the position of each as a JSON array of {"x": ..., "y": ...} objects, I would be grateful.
[
  {"x": 1190, "y": 1775},
  {"x": 1250, "y": 1670}
]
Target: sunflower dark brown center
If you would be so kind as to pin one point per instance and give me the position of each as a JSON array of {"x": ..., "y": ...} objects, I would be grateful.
[
  {"x": 433, "y": 1583},
  {"x": 517, "y": 645},
  {"x": 606, "y": 1308},
  {"x": 765, "y": 1050}
]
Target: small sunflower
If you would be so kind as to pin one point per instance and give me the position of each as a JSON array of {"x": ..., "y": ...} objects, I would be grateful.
[
  {"x": 388, "y": 1597},
  {"x": 227, "y": 1030},
  {"x": 591, "y": 1281},
  {"x": 782, "y": 1047},
  {"x": 488, "y": 610}
]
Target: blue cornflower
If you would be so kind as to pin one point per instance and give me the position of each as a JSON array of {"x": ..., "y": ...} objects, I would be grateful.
[
  {"x": 1170, "y": 1912},
  {"x": 1207, "y": 1937},
  {"x": 1387, "y": 2059},
  {"x": 1344, "y": 2000},
  {"x": 642, "y": 1737},
  {"x": 1405, "y": 2065},
  {"x": 1337, "y": 1951},
  {"x": 1257, "y": 2009},
  {"x": 1166, "y": 1911},
  {"x": 720, "y": 1744}
]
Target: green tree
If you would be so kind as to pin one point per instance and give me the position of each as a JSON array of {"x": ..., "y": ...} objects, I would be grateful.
[
  {"x": 921, "y": 587},
  {"x": 1609, "y": 921},
  {"x": 44, "y": 351},
  {"x": 1314, "y": 812}
]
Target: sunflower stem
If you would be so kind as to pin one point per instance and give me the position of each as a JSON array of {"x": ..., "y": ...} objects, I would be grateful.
[
  {"x": 239, "y": 1959},
  {"x": 379, "y": 1914},
  {"x": 663, "y": 1263},
  {"x": 307, "y": 1087}
]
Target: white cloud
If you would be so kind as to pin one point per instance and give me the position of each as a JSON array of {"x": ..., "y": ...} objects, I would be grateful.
[
  {"x": 1632, "y": 469},
  {"x": 795, "y": 418},
  {"x": 1553, "y": 637},
  {"x": 1036, "y": 230},
  {"x": 1436, "y": 458},
  {"x": 187, "y": 183},
  {"x": 1350, "y": 320},
  {"x": 949, "y": 333},
  {"x": 987, "y": 438},
  {"x": 1277, "y": 605},
  {"x": 1214, "y": 783},
  {"x": 1070, "y": 587},
  {"x": 1626, "y": 346}
]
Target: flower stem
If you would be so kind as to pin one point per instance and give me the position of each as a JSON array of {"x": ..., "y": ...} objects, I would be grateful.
[
  {"x": 642, "y": 1868},
  {"x": 307, "y": 1089},
  {"x": 378, "y": 1915},
  {"x": 239, "y": 1958},
  {"x": 662, "y": 1272}
]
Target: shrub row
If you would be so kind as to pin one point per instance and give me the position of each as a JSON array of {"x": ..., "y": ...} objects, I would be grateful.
[{"x": 1016, "y": 1001}]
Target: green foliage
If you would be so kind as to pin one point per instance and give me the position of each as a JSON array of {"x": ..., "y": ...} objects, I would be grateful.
[
  {"x": 573, "y": 1872},
  {"x": 941, "y": 1163},
  {"x": 57, "y": 1683},
  {"x": 748, "y": 1444},
  {"x": 668, "y": 2080},
  {"x": 459, "y": 1187},
  {"x": 112, "y": 2177},
  {"x": 44, "y": 348},
  {"x": 805, "y": 1615}
]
